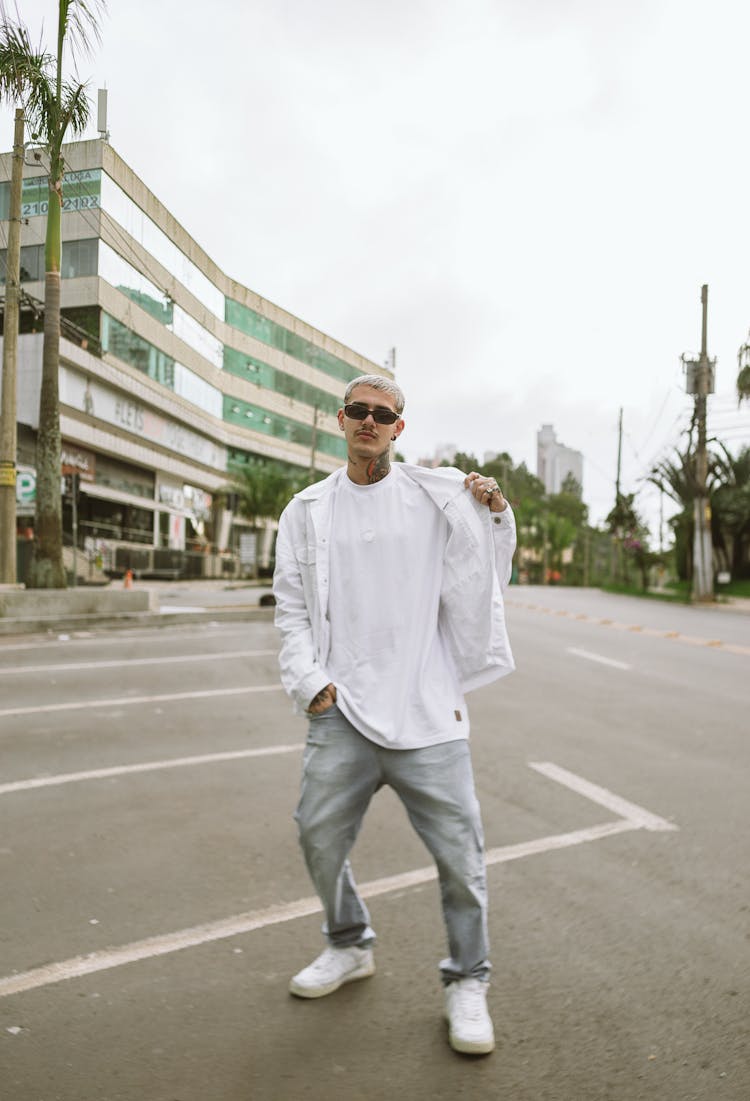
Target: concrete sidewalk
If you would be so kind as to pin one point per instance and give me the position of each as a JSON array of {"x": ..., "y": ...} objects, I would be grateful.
[{"x": 147, "y": 603}]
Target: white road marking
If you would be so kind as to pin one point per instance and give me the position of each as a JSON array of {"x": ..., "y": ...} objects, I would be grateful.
[
  {"x": 144, "y": 766},
  {"x": 637, "y": 816},
  {"x": 104, "y": 960},
  {"x": 127, "y": 701},
  {"x": 129, "y": 635},
  {"x": 127, "y": 662},
  {"x": 598, "y": 657},
  {"x": 634, "y": 818}
]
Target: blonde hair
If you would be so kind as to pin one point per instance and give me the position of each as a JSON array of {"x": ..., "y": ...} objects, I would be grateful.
[{"x": 378, "y": 382}]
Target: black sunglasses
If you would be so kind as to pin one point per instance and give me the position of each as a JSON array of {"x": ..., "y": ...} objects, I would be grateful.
[{"x": 358, "y": 412}]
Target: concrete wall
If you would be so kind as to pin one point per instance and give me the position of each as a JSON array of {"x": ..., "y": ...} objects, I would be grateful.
[{"x": 56, "y": 603}]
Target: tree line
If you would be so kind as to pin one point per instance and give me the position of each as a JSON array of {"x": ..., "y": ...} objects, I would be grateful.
[{"x": 556, "y": 542}]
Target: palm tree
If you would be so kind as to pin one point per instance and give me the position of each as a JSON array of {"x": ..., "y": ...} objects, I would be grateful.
[
  {"x": 728, "y": 484},
  {"x": 731, "y": 510},
  {"x": 261, "y": 489},
  {"x": 677, "y": 478},
  {"x": 54, "y": 108}
]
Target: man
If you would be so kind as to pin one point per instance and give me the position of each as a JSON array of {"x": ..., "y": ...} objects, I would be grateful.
[{"x": 388, "y": 589}]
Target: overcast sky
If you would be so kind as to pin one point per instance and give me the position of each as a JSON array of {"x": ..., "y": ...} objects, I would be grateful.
[{"x": 522, "y": 196}]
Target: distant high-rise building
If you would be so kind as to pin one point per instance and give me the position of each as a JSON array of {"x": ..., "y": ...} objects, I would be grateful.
[
  {"x": 555, "y": 461},
  {"x": 444, "y": 453}
]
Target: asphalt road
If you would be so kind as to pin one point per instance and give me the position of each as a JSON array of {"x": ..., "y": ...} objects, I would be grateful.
[{"x": 154, "y": 902}]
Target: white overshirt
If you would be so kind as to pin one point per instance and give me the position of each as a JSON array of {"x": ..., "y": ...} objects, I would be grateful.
[
  {"x": 476, "y": 570},
  {"x": 394, "y": 677}
]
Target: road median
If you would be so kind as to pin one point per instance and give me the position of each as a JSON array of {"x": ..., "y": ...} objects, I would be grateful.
[{"x": 31, "y": 611}]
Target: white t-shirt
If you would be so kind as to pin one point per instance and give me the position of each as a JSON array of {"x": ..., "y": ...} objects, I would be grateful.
[{"x": 394, "y": 677}]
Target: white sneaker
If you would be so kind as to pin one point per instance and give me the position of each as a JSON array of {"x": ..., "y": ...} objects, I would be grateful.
[
  {"x": 332, "y": 968},
  {"x": 469, "y": 1024}
]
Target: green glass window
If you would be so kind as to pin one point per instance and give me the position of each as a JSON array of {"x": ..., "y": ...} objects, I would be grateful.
[
  {"x": 238, "y": 457},
  {"x": 78, "y": 258},
  {"x": 282, "y": 428},
  {"x": 122, "y": 275},
  {"x": 86, "y": 318},
  {"x": 133, "y": 349},
  {"x": 32, "y": 263},
  {"x": 121, "y": 208},
  {"x": 269, "y": 378},
  {"x": 254, "y": 324}
]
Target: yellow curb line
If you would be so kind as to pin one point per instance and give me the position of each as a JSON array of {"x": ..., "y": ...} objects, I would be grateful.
[{"x": 653, "y": 632}]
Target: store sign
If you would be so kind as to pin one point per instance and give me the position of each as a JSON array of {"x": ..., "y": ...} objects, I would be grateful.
[
  {"x": 172, "y": 496},
  {"x": 77, "y": 460},
  {"x": 248, "y": 548},
  {"x": 26, "y": 489},
  {"x": 81, "y": 191},
  {"x": 198, "y": 502},
  {"x": 176, "y": 531},
  {"x": 26, "y": 482},
  {"x": 123, "y": 412}
]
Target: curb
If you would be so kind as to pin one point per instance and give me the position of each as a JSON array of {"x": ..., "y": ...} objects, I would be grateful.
[{"x": 13, "y": 628}]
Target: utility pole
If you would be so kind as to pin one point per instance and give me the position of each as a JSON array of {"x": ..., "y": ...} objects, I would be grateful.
[
  {"x": 314, "y": 442},
  {"x": 661, "y": 521},
  {"x": 700, "y": 383},
  {"x": 619, "y": 458},
  {"x": 617, "y": 547},
  {"x": 75, "y": 480},
  {"x": 9, "y": 405}
]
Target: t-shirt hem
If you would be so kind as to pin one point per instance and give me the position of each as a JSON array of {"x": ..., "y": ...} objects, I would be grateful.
[{"x": 439, "y": 738}]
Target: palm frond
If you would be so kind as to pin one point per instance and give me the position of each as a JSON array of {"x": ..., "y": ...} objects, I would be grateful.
[
  {"x": 23, "y": 67},
  {"x": 40, "y": 108},
  {"x": 79, "y": 24},
  {"x": 75, "y": 110}
]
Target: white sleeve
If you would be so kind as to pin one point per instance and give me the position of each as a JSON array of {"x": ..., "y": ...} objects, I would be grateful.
[
  {"x": 503, "y": 527},
  {"x": 301, "y": 674}
]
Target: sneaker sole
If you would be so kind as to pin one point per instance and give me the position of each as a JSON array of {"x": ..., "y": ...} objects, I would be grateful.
[
  {"x": 467, "y": 1047},
  {"x": 299, "y": 991}
]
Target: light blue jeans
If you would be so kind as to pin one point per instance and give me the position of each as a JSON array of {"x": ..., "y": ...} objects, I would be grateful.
[{"x": 341, "y": 772}]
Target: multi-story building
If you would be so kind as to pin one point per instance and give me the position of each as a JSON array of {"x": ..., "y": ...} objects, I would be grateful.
[
  {"x": 171, "y": 373},
  {"x": 555, "y": 462}
]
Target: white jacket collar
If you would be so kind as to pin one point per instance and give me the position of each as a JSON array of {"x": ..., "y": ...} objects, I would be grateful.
[{"x": 442, "y": 483}]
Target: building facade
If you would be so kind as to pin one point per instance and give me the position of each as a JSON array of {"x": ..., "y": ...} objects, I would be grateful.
[
  {"x": 171, "y": 375},
  {"x": 555, "y": 462}
]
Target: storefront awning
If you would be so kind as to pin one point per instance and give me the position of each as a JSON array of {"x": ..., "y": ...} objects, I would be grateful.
[{"x": 106, "y": 493}]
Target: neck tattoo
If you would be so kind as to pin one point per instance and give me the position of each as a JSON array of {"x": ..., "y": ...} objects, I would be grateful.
[
  {"x": 375, "y": 470},
  {"x": 378, "y": 468}
]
